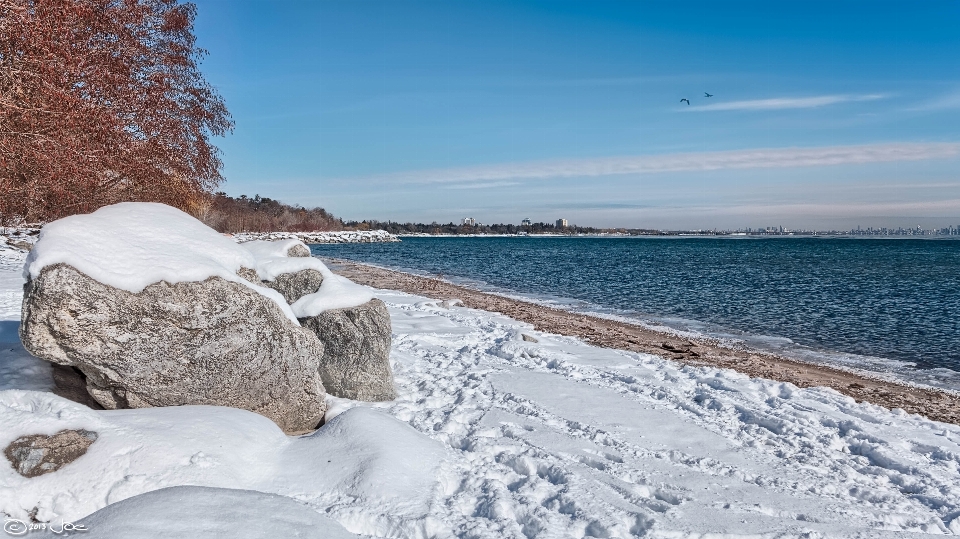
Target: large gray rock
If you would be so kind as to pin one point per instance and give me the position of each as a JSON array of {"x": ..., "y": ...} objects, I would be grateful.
[
  {"x": 356, "y": 361},
  {"x": 293, "y": 286},
  {"x": 212, "y": 342},
  {"x": 39, "y": 454}
]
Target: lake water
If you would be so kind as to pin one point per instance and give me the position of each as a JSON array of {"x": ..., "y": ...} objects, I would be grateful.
[{"x": 886, "y": 305}]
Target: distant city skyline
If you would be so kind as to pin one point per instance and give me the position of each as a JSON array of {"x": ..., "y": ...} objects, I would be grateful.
[
  {"x": 943, "y": 229},
  {"x": 823, "y": 115}
]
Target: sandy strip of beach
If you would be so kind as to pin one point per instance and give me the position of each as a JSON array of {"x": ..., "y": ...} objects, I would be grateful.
[{"x": 931, "y": 403}]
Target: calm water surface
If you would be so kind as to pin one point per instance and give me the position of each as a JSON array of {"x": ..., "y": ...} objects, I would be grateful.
[{"x": 841, "y": 298}]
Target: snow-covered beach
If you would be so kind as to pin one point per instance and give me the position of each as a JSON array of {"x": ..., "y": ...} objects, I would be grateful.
[{"x": 498, "y": 431}]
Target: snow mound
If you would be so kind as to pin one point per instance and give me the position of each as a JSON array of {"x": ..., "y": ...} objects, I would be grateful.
[
  {"x": 336, "y": 292},
  {"x": 132, "y": 245},
  {"x": 202, "y": 512},
  {"x": 362, "y": 458}
]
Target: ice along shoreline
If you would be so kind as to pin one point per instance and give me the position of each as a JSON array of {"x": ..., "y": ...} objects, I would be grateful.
[{"x": 932, "y": 403}]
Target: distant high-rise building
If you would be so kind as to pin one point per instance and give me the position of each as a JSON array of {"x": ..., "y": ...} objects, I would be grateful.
[
  {"x": 469, "y": 221},
  {"x": 562, "y": 223},
  {"x": 526, "y": 222}
]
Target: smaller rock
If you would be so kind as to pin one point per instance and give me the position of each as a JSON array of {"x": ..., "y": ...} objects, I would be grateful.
[
  {"x": 249, "y": 274},
  {"x": 298, "y": 251},
  {"x": 293, "y": 286},
  {"x": 39, "y": 454},
  {"x": 356, "y": 359},
  {"x": 528, "y": 338}
]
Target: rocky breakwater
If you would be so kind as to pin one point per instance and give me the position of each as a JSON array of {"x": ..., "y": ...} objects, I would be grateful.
[
  {"x": 341, "y": 236},
  {"x": 146, "y": 305}
]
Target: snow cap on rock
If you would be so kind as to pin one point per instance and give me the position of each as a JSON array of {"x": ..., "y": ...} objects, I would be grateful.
[{"x": 132, "y": 245}]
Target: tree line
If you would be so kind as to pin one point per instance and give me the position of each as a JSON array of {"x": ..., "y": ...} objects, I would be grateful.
[{"x": 260, "y": 214}]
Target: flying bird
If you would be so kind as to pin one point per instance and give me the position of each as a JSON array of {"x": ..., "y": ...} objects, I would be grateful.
[
  {"x": 705, "y": 94},
  {"x": 685, "y": 99}
]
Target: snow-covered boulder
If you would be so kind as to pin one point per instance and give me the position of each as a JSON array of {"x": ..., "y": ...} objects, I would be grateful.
[
  {"x": 353, "y": 326},
  {"x": 356, "y": 361},
  {"x": 147, "y": 303}
]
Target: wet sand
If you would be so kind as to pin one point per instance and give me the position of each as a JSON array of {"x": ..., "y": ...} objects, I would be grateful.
[{"x": 933, "y": 404}]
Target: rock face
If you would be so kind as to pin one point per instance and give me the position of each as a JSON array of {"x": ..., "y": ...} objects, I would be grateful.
[
  {"x": 356, "y": 341},
  {"x": 212, "y": 342},
  {"x": 249, "y": 274},
  {"x": 40, "y": 454},
  {"x": 293, "y": 286}
]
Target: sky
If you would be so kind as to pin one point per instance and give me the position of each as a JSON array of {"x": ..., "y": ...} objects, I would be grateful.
[{"x": 822, "y": 115}]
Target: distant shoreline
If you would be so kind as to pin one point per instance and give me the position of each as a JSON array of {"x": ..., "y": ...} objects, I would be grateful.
[
  {"x": 928, "y": 402},
  {"x": 401, "y": 237}
]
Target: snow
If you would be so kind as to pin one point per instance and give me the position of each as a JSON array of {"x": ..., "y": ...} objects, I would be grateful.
[
  {"x": 335, "y": 292},
  {"x": 178, "y": 512},
  {"x": 492, "y": 436},
  {"x": 134, "y": 244},
  {"x": 362, "y": 456},
  {"x": 271, "y": 260},
  {"x": 275, "y": 248}
]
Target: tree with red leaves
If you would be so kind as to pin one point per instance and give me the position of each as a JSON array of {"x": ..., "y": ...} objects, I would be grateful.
[{"x": 102, "y": 101}]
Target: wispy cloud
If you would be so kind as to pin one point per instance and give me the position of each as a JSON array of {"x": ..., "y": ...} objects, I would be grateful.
[
  {"x": 943, "y": 102},
  {"x": 481, "y": 185},
  {"x": 779, "y": 103},
  {"x": 678, "y": 162}
]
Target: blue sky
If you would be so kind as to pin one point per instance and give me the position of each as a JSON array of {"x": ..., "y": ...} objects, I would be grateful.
[{"x": 824, "y": 114}]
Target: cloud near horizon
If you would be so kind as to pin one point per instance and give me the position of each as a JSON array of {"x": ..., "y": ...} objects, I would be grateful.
[
  {"x": 679, "y": 162},
  {"x": 780, "y": 103}
]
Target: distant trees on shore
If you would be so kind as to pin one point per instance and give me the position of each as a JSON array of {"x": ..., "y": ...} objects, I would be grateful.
[
  {"x": 102, "y": 101},
  {"x": 243, "y": 214}
]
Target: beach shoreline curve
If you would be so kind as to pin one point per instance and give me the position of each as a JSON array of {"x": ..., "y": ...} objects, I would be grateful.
[{"x": 931, "y": 403}]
